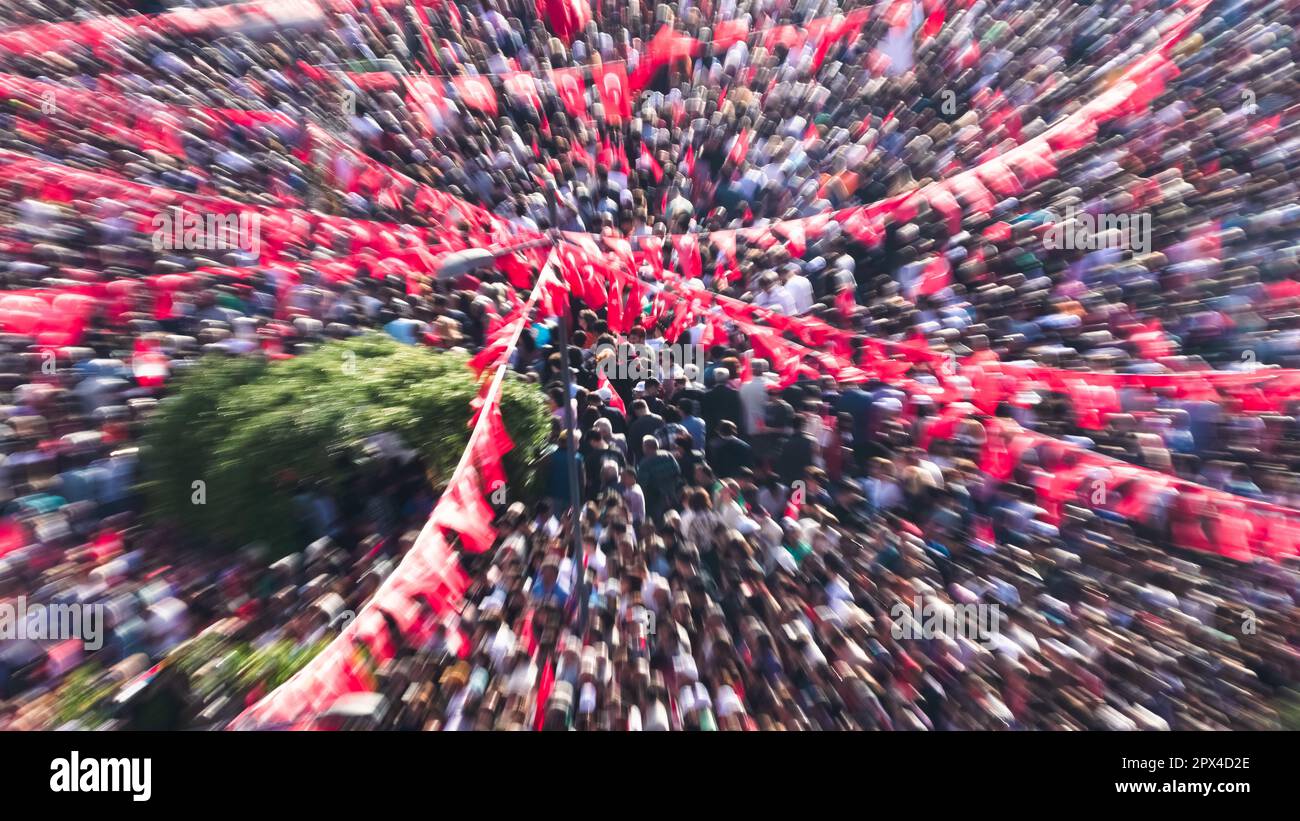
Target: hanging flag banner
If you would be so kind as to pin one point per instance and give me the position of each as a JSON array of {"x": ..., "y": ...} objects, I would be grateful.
[
  {"x": 523, "y": 87},
  {"x": 476, "y": 93},
  {"x": 428, "y": 583}
]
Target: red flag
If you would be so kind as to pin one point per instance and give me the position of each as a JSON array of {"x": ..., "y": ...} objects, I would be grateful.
[
  {"x": 555, "y": 296},
  {"x": 969, "y": 188},
  {"x": 614, "y": 304},
  {"x": 682, "y": 317},
  {"x": 651, "y": 252},
  {"x": 518, "y": 270},
  {"x": 878, "y": 62},
  {"x": 523, "y": 86},
  {"x": 612, "y": 90},
  {"x": 845, "y": 302},
  {"x": 655, "y": 167},
  {"x": 615, "y": 401},
  {"x": 768, "y": 346},
  {"x": 544, "y": 687},
  {"x": 579, "y": 269},
  {"x": 936, "y": 276},
  {"x": 492, "y": 353},
  {"x": 688, "y": 255},
  {"x": 635, "y": 295},
  {"x": 934, "y": 24},
  {"x": 666, "y": 46},
  {"x": 422, "y": 22},
  {"x": 898, "y": 14},
  {"x": 824, "y": 43},
  {"x": 462, "y": 510},
  {"x": 623, "y": 253},
  {"x": 863, "y": 227},
  {"x": 796, "y": 240},
  {"x": 582, "y": 155},
  {"x": 739, "y": 148},
  {"x": 569, "y": 85},
  {"x": 488, "y": 444},
  {"x": 725, "y": 242},
  {"x": 729, "y": 32},
  {"x": 715, "y": 331},
  {"x": 791, "y": 37},
  {"x": 611, "y": 158},
  {"x": 476, "y": 93},
  {"x": 565, "y": 17}
]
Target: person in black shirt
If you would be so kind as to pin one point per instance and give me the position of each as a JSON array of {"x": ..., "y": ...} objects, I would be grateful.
[
  {"x": 644, "y": 423},
  {"x": 651, "y": 396},
  {"x": 721, "y": 401},
  {"x": 730, "y": 454},
  {"x": 598, "y": 455}
]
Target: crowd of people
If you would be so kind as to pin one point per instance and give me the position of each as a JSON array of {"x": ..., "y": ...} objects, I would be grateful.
[{"x": 746, "y": 550}]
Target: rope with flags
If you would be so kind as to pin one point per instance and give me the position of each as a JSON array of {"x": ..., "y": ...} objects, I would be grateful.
[{"x": 429, "y": 575}]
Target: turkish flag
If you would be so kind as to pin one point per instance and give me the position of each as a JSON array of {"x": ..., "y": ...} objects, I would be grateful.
[
  {"x": 651, "y": 252},
  {"x": 715, "y": 332},
  {"x": 521, "y": 85},
  {"x": 968, "y": 187},
  {"x": 461, "y": 509},
  {"x": 767, "y": 345},
  {"x": 666, "y": 46},
  {"x": 688, "y": 255},
  {"x": 739, "y": 148},
  {"x": 683, "y": 316},
  {"x": 796, "y": 239},
  {"x": 579, "y": 269},
  {"x": 491, "y": 356},
  {"x": 845, "y": 302},
  {"x": 878, "y": 62},
  {"x": 489, "y": 443},
  {"x": 862, "y": 226},
  {"x": 565, "y": 17},
  {"x": 898, "y": 14},
  {"x": 476, "y": 93},
  {"x": 725, "y": 242},
  {"x": 615, "y": 401},
  {"x": 729, "y": 32},
  {"x": 936, "y": 276},
  {"x": 791, "y": 37},
  {"x": 942, "y": 200},
  {"x": 425, "y": 95},
  {"x": 517, "y": 269},
  {"x": 611, "y": 157},
  {"x": 570, "y": 86},
  {"x": 998, "y": 177},
  {"x": 612, "y": 89},
  {"x": 655, "y": 168},
  {"x": 614, "y": 313}
]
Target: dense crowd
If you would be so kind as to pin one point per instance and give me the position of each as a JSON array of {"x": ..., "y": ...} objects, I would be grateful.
[{"x": 751, "y": 551}]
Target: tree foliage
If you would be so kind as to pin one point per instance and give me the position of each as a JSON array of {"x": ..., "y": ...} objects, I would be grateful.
[{"x": 254, "y": 432}]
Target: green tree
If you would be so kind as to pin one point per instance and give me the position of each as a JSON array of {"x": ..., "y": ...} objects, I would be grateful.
[{"x": 250, "y": 431}]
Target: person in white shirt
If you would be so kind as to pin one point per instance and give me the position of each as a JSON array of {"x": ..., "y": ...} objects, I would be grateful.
[
  {"x": 753, "y": 398},
  {"x": 798, "y": 287},
  {"x": 773, "y": 295}
]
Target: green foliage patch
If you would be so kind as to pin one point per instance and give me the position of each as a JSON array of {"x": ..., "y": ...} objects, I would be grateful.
[{"x": 251, "y": 431}]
